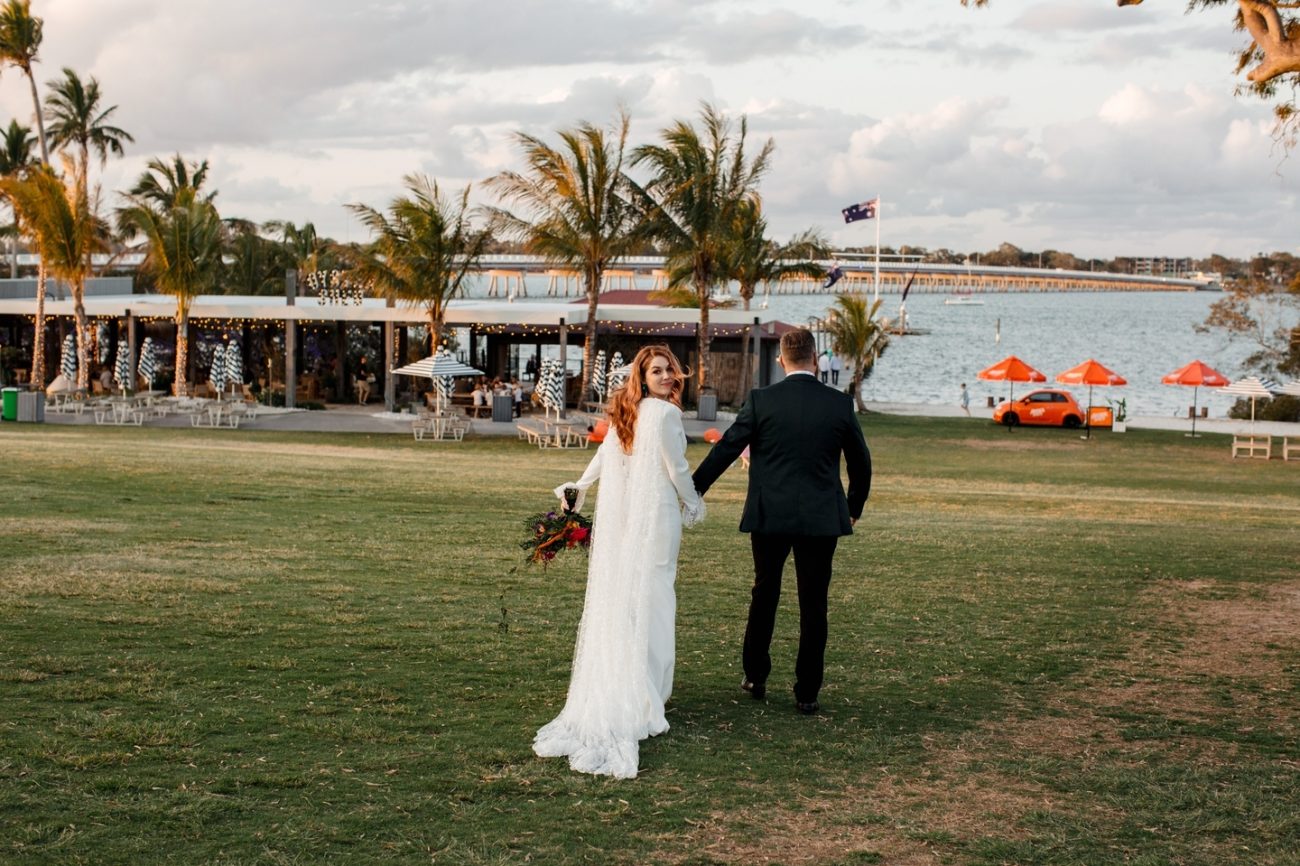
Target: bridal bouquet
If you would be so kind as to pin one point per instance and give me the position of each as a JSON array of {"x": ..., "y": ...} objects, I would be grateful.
[{"x": 554, "y": 531}]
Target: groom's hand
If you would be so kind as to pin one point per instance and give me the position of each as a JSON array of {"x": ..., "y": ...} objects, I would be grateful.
[{"x": 853, "y": 521}]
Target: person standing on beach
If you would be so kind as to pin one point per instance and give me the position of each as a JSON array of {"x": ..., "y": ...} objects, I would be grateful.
[
  {"x": 965, "y": 400},
  {"x": 824, "y": 367},
  {"x": 836, "y": 366}
]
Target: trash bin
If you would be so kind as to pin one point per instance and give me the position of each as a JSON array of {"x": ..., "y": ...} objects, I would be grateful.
[
  {"x": 31, "y": 407},
  {"x": 503, "y": 408},
  {"x": 1100, "y": 416},
  {"x": 9, "y": 404},
  {"x": 708, "y": 410}
]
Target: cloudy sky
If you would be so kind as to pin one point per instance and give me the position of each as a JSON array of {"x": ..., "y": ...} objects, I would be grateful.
[{"x": 1064, "y": 124}]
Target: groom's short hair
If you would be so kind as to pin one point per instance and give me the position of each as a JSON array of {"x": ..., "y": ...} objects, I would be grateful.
[{"x": 798, "y": 346}]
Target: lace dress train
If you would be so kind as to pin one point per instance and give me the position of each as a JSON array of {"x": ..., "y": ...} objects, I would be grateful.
[{"x": 625, "y": 651}]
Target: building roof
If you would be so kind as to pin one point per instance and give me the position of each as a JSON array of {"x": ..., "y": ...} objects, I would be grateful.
[{"x": 463, "y": 313}]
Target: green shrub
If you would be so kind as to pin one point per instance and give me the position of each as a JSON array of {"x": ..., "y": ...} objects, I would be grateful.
[{"x": 1277, "y": 409}]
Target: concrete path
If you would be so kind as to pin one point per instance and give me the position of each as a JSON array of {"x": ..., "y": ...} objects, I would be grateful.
[{"x": 350, "y": 418}]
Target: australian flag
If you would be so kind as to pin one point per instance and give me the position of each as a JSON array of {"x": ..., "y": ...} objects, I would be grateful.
[
  {"x": 833, "y": 276},
  {"x": 862, "y": 211}
]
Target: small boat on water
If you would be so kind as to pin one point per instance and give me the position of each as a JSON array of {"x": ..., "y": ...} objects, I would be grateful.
[{"x": 963, "y": 299}]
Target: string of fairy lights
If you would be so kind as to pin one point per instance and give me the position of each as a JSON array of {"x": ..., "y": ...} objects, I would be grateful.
[
  {"x": 327, "y": 328},
  {"x": 337, "y": 287}
]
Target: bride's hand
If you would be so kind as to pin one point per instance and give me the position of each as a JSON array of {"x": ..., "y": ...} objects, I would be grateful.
[
  {"x": 580, "y": 496},
  {"x": 693, "y": 515}
]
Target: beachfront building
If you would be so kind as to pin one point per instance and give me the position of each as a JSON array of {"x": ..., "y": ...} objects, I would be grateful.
[{"x": 313, "y": 349}]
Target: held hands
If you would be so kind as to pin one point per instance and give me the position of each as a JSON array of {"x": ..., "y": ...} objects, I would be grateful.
[{"x": 693, "y": 515}]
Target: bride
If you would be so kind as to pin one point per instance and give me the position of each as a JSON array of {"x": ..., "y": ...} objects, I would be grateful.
[{"x": 623, "y": 660}]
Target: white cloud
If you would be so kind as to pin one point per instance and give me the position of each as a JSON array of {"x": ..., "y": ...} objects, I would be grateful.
[{"x": 1067, "y": 122}]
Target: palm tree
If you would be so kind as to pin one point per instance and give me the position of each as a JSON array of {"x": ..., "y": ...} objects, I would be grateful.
[
  {"x": 161, "y": 182},
  {"x": 16, "y": 148},
  {"x": 699, "y": 178},
  {"x": 250, "y": 268},
  {"x": 20, "y": 43},
  {"x": 753, "y": 258},
  {"x": 183, "y": 245},
  {"x": 73, "y": 109},
  {"x": 301, "y": 247},
  {"x": 423, "y": 248},
  {"x": 578, "y": 212},
  {"x": 857, "y": 337},
  {"x": 61, "y": 220},
  {"x": 15, "y": 158}
]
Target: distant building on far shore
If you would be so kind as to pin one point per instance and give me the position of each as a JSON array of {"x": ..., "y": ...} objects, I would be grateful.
[{"x": 1162, "y": 267}]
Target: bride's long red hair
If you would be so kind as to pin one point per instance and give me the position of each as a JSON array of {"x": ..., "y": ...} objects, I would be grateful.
[{"x": 626, "y": 401}]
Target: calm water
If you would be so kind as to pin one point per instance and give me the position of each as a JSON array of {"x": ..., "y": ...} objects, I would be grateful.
[{"x": 1140, "y": 335}]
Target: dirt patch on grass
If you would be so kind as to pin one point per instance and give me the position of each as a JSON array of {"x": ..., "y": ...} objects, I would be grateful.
[{"x": 1205, "y": 635}]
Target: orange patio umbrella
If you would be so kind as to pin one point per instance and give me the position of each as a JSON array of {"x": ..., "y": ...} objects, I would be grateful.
[
  {"x": 1011, "y": 369},
  {"x": 1194, "y": 375},
  {"x": 1090, "y": 373}
]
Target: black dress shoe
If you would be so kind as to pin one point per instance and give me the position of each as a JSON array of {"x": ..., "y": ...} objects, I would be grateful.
[
  {"x": 757, "y": 691},
  {"x": 807, "y": 708}
]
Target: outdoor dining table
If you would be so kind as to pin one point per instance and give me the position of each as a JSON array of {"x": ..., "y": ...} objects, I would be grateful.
[{"x": 119, "y": 410}]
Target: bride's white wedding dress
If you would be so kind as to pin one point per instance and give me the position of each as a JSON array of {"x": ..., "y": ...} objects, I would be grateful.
[{"x": 623, "y": 660}]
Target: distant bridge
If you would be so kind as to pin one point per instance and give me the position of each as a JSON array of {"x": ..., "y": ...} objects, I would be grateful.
[{"x": 507, "y": 275}]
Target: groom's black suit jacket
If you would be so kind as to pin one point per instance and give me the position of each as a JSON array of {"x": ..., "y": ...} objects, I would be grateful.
[{"x": 796, "y": 431}]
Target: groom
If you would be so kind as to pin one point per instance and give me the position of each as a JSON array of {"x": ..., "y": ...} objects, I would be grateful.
[{"x": 796, "y": 431}]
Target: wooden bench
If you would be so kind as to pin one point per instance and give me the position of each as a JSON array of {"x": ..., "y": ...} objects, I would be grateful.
[
  {"x": 1253, "y": 446},
  {"x": 533, "y": 434},
  {"x": 1290, "y": 446}
]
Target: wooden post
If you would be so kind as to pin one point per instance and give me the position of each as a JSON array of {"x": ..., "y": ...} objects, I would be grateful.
[
  {"x": 130, "y": 345},
  {"x": 290, "y": 341},
  {"x": 390, "y": 387},
  {"x": 564, "y": 367}
]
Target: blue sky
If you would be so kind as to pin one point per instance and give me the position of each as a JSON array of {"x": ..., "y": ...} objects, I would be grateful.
[{"x": 1065, "y": 124}]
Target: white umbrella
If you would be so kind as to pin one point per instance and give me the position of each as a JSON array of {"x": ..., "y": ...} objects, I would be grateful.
[
  {"x": 542, "y": 387},
  {"x": 440, "y": 367},
  {"x": 617, "y": 372},
  {"x": 598, "y": 376},
  {"x": 1290, "y": 389},
  {"x": 234, "y": 364},
  {"x": 1253, "y": 387},
  {"x": 147, "y": 363},
  {"x": 439, "y": 364},
  {"x": 556, "y": 388},
  {"x": 101, "y": 339},
  {"x": 122, "y": 367},
  {"x": 68, "y": 364},
  {"x": 217, "y": 375}
]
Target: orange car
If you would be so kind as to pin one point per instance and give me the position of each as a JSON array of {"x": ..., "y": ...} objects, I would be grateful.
[{"x": 1049, "y": 407}]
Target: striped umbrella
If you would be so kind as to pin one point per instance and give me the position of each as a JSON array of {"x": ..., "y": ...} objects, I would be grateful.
[
  {"x": 555, "y": 388},
  {"x": 616, "y": 375},
  {"x": 1253, "y": 387},
  {"x": 147, "y": 364},
  {"x": 217, "y": 375},
  {"x": 441, "y": 367},
  {"x": 542, "y": 386},
  {"x": 122, "y": 367},
  {"x": 1291, "y": 389},
  {"x": 101, "y": 339},
  {"x": 234, "y": 364},
  {"x": 68, "y": 363},
  {"x": 598, "y": 376}
]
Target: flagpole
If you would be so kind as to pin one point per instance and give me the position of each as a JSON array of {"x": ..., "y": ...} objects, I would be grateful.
[{"x": 876, "y": 294}]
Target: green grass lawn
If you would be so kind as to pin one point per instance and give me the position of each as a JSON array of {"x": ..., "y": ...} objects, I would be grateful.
[{"x": 238, "y": 647}]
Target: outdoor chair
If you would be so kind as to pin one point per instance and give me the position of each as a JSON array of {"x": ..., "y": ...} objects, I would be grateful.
[{"x": 1290, "y": 447}]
